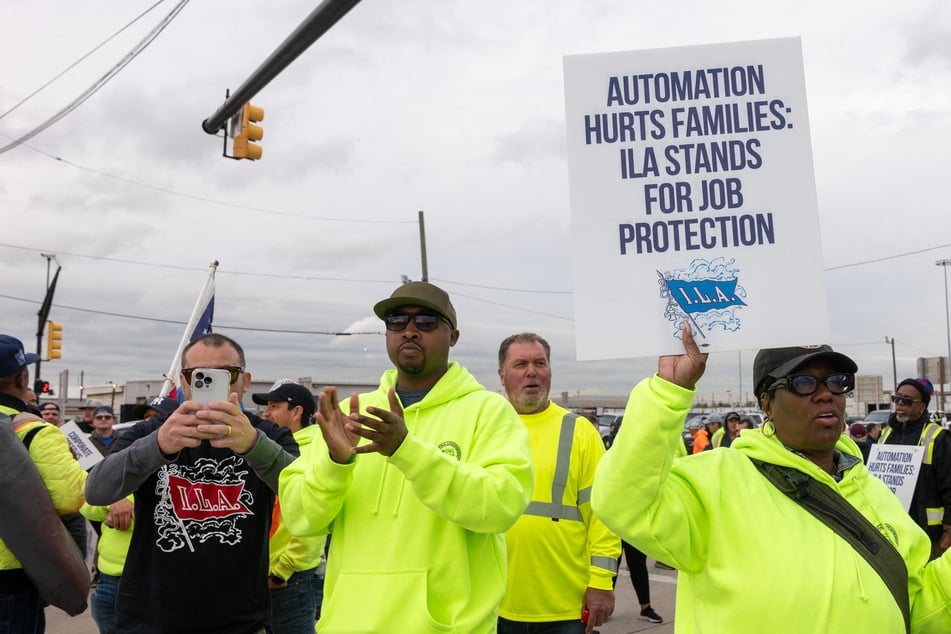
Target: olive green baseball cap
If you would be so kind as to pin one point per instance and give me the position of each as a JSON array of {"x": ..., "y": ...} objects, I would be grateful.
[{"x": 422, "y": 294}]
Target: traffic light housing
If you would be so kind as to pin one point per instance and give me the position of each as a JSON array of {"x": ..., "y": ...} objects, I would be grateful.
[
  {"x": 41, "y": 387},
  {"x": 54, "y": 340},
  {"x": 246, "y": 134}
]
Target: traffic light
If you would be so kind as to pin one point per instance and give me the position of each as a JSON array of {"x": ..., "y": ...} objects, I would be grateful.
[
  {"x": 244, "y": 132},
  {"x": 41, "y": 387},
  {"x": 54, "y": 340}
]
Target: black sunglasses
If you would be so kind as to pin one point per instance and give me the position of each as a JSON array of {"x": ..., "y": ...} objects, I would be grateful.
[
  {"x": 425, "y": 322},
  {"x": 233, "y": 371},
  {"x": 907, "y": 401},
  {"x": 806, "y": 384}
]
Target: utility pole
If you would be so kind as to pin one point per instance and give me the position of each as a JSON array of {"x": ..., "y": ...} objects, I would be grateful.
[
  {"x": 891, "y": 340},
  {"x": 422, "y": 247}
]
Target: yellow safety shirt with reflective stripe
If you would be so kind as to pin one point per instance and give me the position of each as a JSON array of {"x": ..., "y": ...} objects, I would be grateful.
[{"x": 558, "y": 548}]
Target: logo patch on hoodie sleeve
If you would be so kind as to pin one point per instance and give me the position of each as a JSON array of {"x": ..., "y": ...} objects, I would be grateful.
[{"x": 450, "y": 448}]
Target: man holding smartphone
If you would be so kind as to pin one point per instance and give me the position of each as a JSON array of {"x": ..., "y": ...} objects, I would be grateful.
[{"x": 204, "y": 482}]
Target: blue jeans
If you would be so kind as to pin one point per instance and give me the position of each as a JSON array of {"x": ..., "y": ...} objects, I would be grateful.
[
  {"x": 102, "y": 603},
  {"x": 21, "y": 613},
  {"x": 548, "y": 627},
  {"x": 294, "y": 607}
]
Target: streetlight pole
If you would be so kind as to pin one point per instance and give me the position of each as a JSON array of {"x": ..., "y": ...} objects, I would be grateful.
[{"x": 947, "y": 312}]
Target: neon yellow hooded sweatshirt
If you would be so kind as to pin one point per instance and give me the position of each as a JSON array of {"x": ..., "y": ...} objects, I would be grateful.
[
  {"x": 750, "y": 558},
  {"x": 289, "y": 554},
  {"x": 417, "y": 537}
]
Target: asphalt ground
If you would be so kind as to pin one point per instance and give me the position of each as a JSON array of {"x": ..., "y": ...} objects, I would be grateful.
[{"x": 624, "y": 621}]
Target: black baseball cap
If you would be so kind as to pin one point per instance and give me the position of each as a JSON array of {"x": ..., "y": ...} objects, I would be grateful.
[
  {"x": 164, "y": 405},
  {"x": 422, "y": 294},
  {"x": 290, "y": 392},
  {"x": 774, "y": 363}
]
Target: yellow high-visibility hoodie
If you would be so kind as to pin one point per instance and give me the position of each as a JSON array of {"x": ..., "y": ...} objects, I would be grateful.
[
  {"x": 418, "y": 542},
  {"x": 552, "y": 563},
  {"x": 750, "y": 558},
  {"x": 113, "y": 544},
  {"x": 289, "y": 554}
]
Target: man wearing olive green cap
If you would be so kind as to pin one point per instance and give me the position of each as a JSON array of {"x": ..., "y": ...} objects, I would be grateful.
[{"x": 419, "y": 483}]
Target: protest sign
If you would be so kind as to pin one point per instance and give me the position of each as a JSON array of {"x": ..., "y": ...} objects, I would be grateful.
[
  {"x": 85, "y": 451},
  {"x": 898, "y": 466},
  {"x": 693, "y": 199}
]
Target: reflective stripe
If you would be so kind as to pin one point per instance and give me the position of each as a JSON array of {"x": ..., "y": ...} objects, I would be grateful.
[
  {"x": 547, "y": 509},
  {"x": 608, "y": 563},
  {"x": 584, "y": 496},
  {"x": 928, "y": 434},
  {"x": 556, "y": 509},
  {"x": 935, "y": 516}
]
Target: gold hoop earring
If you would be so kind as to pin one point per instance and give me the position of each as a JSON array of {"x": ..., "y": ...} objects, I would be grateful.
[{"x": 769, "y": 429}]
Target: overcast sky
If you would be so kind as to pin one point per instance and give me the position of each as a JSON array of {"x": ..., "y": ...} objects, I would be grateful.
[{"x": 453, "y": 108}]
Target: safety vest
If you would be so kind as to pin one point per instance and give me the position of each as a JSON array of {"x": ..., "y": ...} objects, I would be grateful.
[
  {"x": 928, "y": 435},
  {"x": 717, "y": 439},
  {"x": 557, "y": 509}
]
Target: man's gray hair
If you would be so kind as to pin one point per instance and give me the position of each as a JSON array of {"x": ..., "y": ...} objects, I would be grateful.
[{"x": 523, "y": 337}]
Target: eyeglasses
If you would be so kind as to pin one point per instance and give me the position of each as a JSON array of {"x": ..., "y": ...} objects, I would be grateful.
[
  {"x": 806, "y": 384},
  {"x": 233, "y": 371},
  {"x": 907, "y": 401},
  {"x": 425, "y": 322},
  {"x": 104, "y": 417}
]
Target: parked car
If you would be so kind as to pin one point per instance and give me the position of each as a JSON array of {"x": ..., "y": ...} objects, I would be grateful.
[
  {"x": 604, "y": 426},
  {"x": 756, "y": 416},
  {"x": 878, "y": 416}
]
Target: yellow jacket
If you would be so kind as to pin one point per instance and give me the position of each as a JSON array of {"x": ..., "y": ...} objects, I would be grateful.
[{"x": 63, "y": 476}]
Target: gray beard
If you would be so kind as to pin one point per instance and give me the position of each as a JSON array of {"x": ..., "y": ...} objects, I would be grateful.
[{"x": 904, "y": 418}]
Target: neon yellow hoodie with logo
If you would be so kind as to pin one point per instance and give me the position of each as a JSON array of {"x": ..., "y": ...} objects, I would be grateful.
[
  {"x": 418, "y": 540},
  {"x": 750, "y": 558}
]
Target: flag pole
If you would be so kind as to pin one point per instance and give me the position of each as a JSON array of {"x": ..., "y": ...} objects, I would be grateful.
[{"x": 207, "y": 294}]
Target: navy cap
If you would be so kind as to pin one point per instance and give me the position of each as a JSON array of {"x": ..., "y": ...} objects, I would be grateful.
[
  {"x": 164, "y": 405},
  {"x": 290, "y": 392},
  {"x": 12, "y": 356}
]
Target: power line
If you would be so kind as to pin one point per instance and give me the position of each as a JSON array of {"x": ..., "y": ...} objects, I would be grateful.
[
  {"x": 330, "y": 333},
  {"x": 887, "y": 257},
  {"x": 308, "y": 278},
  {"x": 80, "y": 60},
  {"x": 316, "y": 278},
  {"x": 212, "y": 201},
  {"x": 102, "y": 81}
]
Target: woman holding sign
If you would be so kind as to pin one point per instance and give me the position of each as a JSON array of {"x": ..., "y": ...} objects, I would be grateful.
[{"x": 833, "y": 549}]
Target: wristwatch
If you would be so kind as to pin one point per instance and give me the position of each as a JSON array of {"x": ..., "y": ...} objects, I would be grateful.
[{"x": 276, "y": 580}]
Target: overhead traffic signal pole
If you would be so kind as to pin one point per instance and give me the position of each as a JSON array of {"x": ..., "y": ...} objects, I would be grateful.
[
  {"x": 44, "y": 311},
  {"x": 316, "y": 24}
]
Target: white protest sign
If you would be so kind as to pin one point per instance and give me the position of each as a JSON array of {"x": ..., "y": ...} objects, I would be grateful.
[
  {"x": 693, "y": 198},
  {"x": 85, "y": 451},
  {"x": 898, "y": 466}
]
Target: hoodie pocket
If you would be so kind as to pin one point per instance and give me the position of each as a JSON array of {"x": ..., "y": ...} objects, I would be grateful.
[{"x": 380, "y": 602}]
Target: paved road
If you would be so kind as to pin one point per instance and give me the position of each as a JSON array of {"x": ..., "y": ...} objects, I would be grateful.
[{"x": 624, "y": 621}]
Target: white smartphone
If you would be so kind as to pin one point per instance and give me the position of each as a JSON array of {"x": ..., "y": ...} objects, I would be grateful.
[{"x": 210, "y": 384}]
